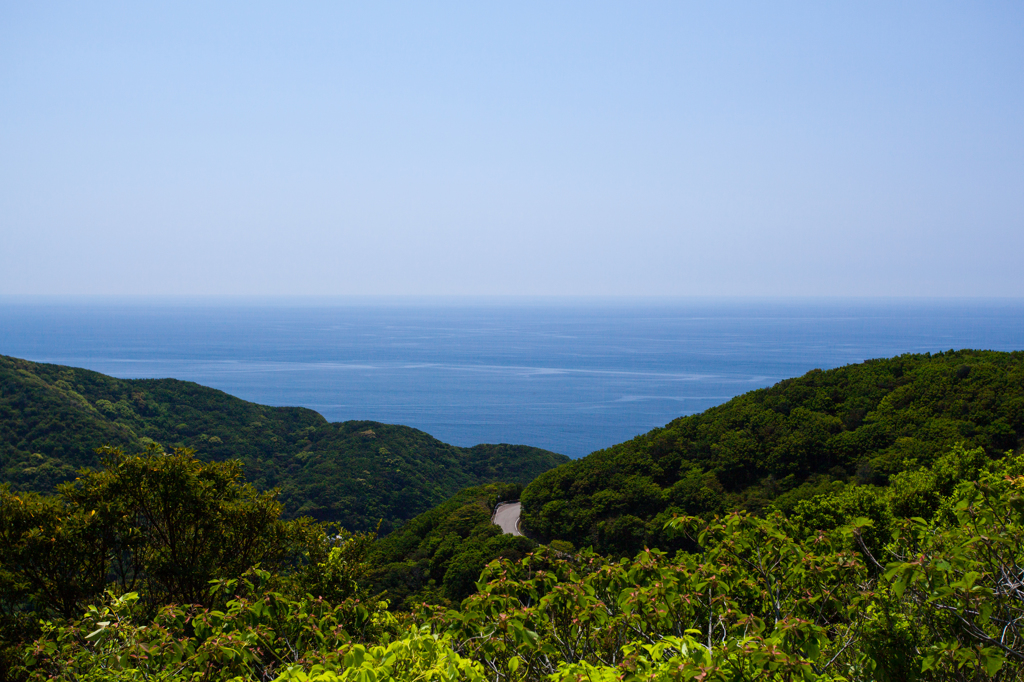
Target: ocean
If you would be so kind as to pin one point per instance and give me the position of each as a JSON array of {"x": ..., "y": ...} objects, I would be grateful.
[{"x": 569, "y": 375}]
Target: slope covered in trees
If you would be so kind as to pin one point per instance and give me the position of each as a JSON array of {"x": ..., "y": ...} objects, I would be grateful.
[
  {"x": 773, "y": 597},
  {"x": 161, "y": 566},
  {"x": 52, "y": 418},
  {"x": 805, "y": 436},
  {"x": 437, "y": 556}
]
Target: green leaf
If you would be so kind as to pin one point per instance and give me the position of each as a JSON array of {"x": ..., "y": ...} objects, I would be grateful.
[{"x": 993, "y": 662}]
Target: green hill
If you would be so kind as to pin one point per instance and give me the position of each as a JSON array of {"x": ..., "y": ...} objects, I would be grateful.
[
  {"x": 52, "y": 418},
  {"x": 437, "y": 556},
  {"x": 776, "y": 446},
  {"x": 897, "y": 558}
]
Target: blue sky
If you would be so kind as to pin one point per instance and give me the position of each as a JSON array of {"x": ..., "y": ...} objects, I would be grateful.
[{"x": 657, "y": 148}]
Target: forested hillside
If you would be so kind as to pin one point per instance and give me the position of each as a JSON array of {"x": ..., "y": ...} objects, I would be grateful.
[
  {"x": 859, "y": 424},
  {"x": 437, "y": 557},
  {"x": 52, "y": 418},
  {"x": 114, "y": 579},
  {"x": 901, "y": 561}
]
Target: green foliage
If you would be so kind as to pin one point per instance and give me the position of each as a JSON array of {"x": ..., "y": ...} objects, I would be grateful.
[
  {"x": 335, "y": 565},
  {"x": 356, "y": 473},
  {"x": 51, "y": 554},
  {"x": 755, "y": 604},
  {"x": 902, "y": 560},
  {"x": 957, "y": 465},
  {"x": 437, "y": 557},
  {"x": 831, "y": 511},
  {"x": 758, "y": 598},
  {"x": 160, "y": 527},
  {"x": 255, "y": 634},
  {"x": 763, "y": 599},
  {"x": 170, "y": 523},
  {"x": 159, "y": 524},
  {"x": 878, "y": 422},
  {"x": 913, "y": 493},
  {"x": 962, "y": 580}
]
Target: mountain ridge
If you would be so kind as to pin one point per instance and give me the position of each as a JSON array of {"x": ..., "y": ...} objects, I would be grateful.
[
  {"x": 775, "y": 446},
  {"x": 53, "y": 417}
]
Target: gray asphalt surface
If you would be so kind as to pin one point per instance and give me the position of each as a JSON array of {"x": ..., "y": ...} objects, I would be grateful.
[{"x": 506, "y": 515}]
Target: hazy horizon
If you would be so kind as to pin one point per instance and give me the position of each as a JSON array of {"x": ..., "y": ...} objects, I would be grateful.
[{"x": 570, "y": 377}]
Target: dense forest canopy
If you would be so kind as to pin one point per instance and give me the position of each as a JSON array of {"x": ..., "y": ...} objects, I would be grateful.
[
  {"x": 52, "y": 419},
  {"x": 437, "y": 556},
  {"x": 862, "y": 423},
  {"x": 888, "y": 545},
  {"x": 119, "y": 577}
]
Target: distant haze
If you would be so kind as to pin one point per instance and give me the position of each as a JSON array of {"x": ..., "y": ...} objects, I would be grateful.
[{"x": 656, "y": 148}]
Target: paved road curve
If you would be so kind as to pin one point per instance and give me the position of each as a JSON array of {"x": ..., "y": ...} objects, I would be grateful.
[{"x": 506, "y": 515}]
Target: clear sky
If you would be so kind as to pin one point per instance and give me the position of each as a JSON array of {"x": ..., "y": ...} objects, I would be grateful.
[{"x": 516, "y": 148}]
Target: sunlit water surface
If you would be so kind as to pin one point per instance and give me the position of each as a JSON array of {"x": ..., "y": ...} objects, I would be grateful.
[{"x": 570, "y": 375}]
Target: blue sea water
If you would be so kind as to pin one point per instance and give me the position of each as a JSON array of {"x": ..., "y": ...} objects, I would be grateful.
[{"x": 572, "y": 376}]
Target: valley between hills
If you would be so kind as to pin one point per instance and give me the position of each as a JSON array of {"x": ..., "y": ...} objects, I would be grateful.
[
  {"x": 356, "y": 473},
  {"x": 863, "y": 522}
]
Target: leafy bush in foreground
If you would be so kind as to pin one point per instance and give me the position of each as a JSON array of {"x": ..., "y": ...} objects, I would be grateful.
[
  {"x": 763, "y": 599},
  {"x": 255, "y": 635},
  {"x": 758, "y": 598}
]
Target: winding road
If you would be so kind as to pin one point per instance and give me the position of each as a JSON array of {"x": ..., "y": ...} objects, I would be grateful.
[{"x": 506, "y": 515}]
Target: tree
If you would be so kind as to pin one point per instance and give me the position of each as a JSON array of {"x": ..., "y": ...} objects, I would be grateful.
[{"x": 160, "y": 524}]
